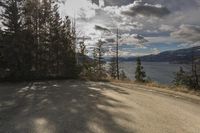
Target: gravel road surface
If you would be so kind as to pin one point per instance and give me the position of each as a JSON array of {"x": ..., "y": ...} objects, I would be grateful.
[{"x": 94, "y": 107}]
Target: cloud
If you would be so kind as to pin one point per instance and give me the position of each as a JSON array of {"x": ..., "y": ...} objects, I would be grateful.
[
  {"x": 170, "y": 4},
  {"x": 145, "y": 9},
  {"x": 189, "y": 33},
  {"x": 155, "y": 50},
  {"x": 139, "y": 37},
  {"x": 110, "y": 40},
  {"x": 100, "y": 28},
  {"x": 95, "y": 2},
  {"x": 153, "y": 19},
  {"x": 133, "y": 39},
  {"x": 161, "y": 39},
  {"x": 80, "y": 8},
  {"x": 117, "y": 2},
  {"x": 166, "y": 28},
  {"x": 176, "y": 5},
  {"x": 137, "y": 52},
  {"x": 126, "y": 39}
]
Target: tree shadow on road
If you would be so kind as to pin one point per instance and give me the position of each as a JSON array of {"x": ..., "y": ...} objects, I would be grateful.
[{"x": 60, "y": 107}]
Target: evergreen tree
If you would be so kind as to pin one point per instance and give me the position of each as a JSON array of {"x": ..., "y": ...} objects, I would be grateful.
[
  {"x": 2, "y": 61},
  {"x": 55, "y": 45},
  {"x": 32, "y": 14},
  {"x": 82, "y": 48},
  {"x": 85, "y": 63},
  {"x": 180, "y": 78},
  {"x": 99, "y": 58},
  {"x": 68, "y": 50},
  {"x": 194, "y": 80},
  {"x": 37, "y": 42},
  {"x": 13, "y": 39},
  {"x": 113, "y": 68},
  {"x": 140, "y": 74},
  {"x": 122, "y": 75}
]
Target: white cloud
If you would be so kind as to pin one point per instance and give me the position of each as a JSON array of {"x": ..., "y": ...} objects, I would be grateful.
[
  {"x": 164, "y": 27},
  {"x": 161, "y": 39},
  {"x": 78, "y": 8},
  {"x": 133, "y": 39},
  {"x": 189, "y": 33},
  {"x": 146, "y": 9},
  {"x": 156, "y": 30},
  {"x": 155, "y": 51}
]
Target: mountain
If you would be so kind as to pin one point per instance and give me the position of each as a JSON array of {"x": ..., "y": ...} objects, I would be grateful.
[
  {"x": 82, "y": 58},
  {"x": 176, "y": 56}
]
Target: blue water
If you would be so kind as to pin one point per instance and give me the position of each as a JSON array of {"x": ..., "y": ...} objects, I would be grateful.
[{"x": 160, "y": 72}]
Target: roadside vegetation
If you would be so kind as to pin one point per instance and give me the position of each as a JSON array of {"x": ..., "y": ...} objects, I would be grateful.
[{"x": 36, "y": 43}]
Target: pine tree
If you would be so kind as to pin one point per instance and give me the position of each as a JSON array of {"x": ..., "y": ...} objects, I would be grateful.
[
  {"x": 122, "y": 75},
  {"x": 2, "y": 60},
  {"x": 85, "y": 63},
  {"x": 14, "y": 45},
  {"x": 99, "y": 58},
  {"x": 32, "y": 24},
  {"x": 92, "y": 71},
  {"x": 113, "y": 68},
  {"x": 68, "y": 50},
  {"x": 140, "y": 74},
  {"x": 194, "y": 81},
  {"x": 82, "y": 48},
  {"x": 37, "y": 42},
  {"x": 55, "y": 45},
  {"x": 180, "y": 78}
]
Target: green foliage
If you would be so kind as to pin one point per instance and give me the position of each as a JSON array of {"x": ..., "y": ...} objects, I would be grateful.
[
  {"x": 140, "y": 74},
  {"x": 122, "y": 75},
  {"x": 98, "y": 60},
  {"x": 37, "y": 42},
  {"x": 113, "y": 68},
  {"x": 93, "y": 69},
  {"x": 180, "y": 78},
  {"x": 188, "y": 79}
]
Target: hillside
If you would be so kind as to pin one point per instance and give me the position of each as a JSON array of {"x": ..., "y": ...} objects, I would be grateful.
[{"x": 176, "y": 56}]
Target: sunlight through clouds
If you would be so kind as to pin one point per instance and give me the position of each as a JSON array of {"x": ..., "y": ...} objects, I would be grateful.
[
  {"x": 77, "y": 7},
  {"x": 155, "y": 20}
]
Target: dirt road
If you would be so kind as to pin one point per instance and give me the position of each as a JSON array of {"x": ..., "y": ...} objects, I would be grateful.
[{"x": 88, "y": 107}]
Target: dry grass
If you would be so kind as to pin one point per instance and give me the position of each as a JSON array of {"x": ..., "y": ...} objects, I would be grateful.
[
  {"x": 186, "y": 90},
  {"x": 154, "y": 85},
  {"x": 151, "y": 84},
  {"x": 182, "y": 89}
]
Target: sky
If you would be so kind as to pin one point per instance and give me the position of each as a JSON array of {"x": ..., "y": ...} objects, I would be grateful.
[{"x": 145, "y": 26}]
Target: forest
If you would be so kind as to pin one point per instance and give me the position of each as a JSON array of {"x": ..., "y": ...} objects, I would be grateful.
[{"x": 35, "y": 42}]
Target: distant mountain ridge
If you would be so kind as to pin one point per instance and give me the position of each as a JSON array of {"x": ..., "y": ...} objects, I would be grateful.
[{"x": 176, "y": 56}]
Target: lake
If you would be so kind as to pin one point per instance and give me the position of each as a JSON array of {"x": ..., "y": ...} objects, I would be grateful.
[{"x": 160, "y": 72}]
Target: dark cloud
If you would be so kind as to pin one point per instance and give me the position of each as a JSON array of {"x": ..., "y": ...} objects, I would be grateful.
[
  {"x": 188, "y": 32},
  {"x": 84, "y": 38},
  {"x": 140, "y": 38},
  {"x": 100, "y": 28},
  {"x": 133, "y": 39},
  {"x": 114, "y": 2},
  {"x": 95, "y": 2},
  {"x": 110, "y": 40},
  {"x": 117, "y": 2},
  {"x": 145, "y": 9}
]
